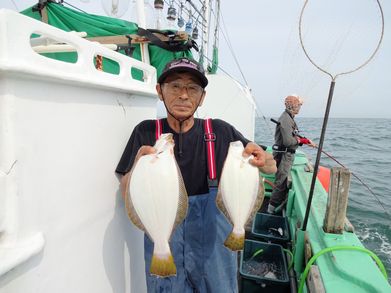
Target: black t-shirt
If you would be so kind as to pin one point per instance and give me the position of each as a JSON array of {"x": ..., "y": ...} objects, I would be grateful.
[{"x": 193, "y": 161}]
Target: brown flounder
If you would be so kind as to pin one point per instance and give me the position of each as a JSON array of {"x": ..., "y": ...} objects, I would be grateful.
[
  {"x": 240, "y": 193},
  {"x": 157, "y": 202}
]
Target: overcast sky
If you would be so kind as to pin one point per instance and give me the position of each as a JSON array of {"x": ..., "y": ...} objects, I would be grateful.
[{"x": 339, "y": 35}]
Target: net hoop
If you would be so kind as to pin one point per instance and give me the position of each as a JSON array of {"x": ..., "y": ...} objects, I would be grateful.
[{"x": 349, "y": 71}]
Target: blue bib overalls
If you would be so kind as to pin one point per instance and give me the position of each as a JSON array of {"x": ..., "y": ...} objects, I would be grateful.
[{"x": 203, "y": 263}]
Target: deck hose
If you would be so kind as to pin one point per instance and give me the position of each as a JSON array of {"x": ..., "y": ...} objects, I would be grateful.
[
  {"x": 291, "y": 258},
  {"x": 329, "y": 249}
]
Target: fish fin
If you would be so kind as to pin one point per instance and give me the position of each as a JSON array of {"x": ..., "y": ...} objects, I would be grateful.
[
  {"x": 183, "y": 202},
  {"x": 163, "y": 266},
  {"x": 258, "y": 202},
  {"x": 235, "y": 241},
  {"x": 130, "y": 210},
  {"x": 221, "y": 206},
  {"x": 133, "y": 217}
]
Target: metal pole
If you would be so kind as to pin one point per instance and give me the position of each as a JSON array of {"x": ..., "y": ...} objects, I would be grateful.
[
  {"x": 318, "y": 155},
  {"x": 205, "y": 29},
  {"x": 142, "y": 23}
]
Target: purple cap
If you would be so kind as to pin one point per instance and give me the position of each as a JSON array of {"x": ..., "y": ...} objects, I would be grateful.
[{"x": 184, "y": 65}]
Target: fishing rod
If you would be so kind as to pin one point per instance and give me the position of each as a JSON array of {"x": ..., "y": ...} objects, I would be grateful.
[{"x": 359, "y": 179}]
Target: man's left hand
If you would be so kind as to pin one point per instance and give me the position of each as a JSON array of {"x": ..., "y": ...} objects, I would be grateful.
[
  {"x": 259, "y": 159},
  {"x": 263, "y": 160}
]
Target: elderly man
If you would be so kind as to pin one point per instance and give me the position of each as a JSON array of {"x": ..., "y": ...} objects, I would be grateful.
[
  {"x": 203, "y": 263},
  {"x": 287, "y": 140}
]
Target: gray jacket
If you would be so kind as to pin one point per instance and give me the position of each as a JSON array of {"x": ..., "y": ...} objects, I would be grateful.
[{"x": 284, "y": 135}]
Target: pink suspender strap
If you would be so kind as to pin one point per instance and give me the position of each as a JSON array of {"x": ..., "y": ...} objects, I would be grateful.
[
  {"x": 210, "y": 138},
  {"x": 158, "y": 128}
]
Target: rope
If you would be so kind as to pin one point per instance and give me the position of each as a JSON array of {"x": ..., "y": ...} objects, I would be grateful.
[
  {"x": 231, "y": 50},
  {"x": 362, "y": 182},
  {"x": 189, "y": 13},
  {"x": 257, "y": 108},
  {"x": 349, "y": 71},
  {"x": 73, "y": 6},
  {"x": 13, "y": 2}
]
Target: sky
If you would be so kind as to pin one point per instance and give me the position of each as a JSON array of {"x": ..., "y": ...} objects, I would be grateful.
[{"x": 338, "y": 35}]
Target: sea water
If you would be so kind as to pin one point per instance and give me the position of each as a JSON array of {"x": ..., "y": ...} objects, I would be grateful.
[{"x": 364, "y": 147}]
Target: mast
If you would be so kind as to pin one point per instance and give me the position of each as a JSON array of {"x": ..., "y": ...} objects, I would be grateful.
[
  {"x": 142, "y": 23},
  {"x": 215, "y": 61},
  {"x": 205, "y": 29}
]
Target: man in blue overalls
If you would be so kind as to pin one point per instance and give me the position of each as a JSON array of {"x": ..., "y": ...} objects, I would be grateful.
[{"x": 203, "y": 263}]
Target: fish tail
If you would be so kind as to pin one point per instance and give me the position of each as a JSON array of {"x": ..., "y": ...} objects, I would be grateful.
[
  {"x": 235, "y": 241},
  {"x": 163, "y": 266}
]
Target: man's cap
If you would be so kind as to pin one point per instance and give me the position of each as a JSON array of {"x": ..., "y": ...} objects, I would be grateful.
[{"x": 184, "y": 65}]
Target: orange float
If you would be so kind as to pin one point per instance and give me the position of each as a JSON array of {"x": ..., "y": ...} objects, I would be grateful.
[{"x": 324, "y": 177}]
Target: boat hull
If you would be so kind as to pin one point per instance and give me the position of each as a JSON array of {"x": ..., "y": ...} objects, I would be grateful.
[{"x": 63, "y": 129}]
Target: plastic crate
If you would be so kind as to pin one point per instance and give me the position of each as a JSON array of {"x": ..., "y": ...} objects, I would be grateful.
[
  {"x": 272, "y": 256},
  {"x": 266, "y": 227}
]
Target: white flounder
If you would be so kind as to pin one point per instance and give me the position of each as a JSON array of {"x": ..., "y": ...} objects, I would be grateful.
[
  {"x": 156, "y": 201},
  {"x": 240, "y": 193}
]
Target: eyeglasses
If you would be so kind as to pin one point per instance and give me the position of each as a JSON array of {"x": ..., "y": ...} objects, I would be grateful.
[{"x": 176, "y": 88}]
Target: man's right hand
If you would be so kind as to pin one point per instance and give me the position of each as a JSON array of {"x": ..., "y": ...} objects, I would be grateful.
[
  {"x": 144, "y": 150},
  {"x": 304, "y": 140},
  {"x": 312, "y": 144}
]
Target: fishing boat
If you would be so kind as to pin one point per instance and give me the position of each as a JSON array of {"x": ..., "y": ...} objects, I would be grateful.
[{"x": 68, "y": 103}]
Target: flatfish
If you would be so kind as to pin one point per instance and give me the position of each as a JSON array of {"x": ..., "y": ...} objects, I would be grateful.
[
  {"x": 157, "y": 202},
  {"x": 240, "y": 193}
]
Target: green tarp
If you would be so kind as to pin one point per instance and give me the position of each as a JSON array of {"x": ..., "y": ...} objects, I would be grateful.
[{"x": 97, "y": 26}]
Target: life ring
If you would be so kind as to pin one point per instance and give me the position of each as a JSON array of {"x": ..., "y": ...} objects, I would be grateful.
[{"x": 324, "y": 177}]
